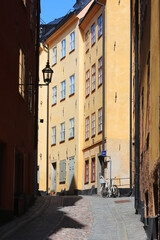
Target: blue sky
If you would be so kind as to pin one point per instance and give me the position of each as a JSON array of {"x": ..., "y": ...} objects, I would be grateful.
[{"x": 51, "y": 9}]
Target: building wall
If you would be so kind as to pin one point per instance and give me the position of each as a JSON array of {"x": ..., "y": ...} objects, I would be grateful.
[
  {"x": 42, "y": 123},
  {"x": 17, "y": 122},
  {"x": 117, "y": 84},
  {"x": 117, "y": 88}
]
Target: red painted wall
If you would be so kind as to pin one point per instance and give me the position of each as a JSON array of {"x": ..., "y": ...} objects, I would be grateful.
[{"x": 16, "y": 122}]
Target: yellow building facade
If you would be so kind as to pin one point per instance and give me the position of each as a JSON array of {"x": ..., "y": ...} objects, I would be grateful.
[
  {"x": 75, "y": 98},
  {"x": 116, "y": 107}
]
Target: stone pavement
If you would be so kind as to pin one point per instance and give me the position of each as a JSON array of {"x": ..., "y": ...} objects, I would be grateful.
[{"x": 77, "y": 218}]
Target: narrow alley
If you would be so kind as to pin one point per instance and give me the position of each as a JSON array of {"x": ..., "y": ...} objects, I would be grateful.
[{"x": 77, "y": 217}]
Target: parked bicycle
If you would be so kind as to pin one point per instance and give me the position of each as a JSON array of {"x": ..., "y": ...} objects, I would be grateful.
[{"x": 113, "y": 191}]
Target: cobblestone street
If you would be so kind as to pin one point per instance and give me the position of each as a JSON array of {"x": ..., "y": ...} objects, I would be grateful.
[{"x": 77, "y": 217}]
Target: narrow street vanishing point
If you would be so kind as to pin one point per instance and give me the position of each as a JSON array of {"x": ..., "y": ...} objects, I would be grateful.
[{"x": 77, "y": 217}]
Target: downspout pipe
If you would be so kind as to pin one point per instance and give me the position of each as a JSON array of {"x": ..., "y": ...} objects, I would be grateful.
[
  {"x": 103, "y": 85},
  {"x": 136, "y": 111},
  {"x": 47, "y": 50},
  {"x": 130, "y": 95}
]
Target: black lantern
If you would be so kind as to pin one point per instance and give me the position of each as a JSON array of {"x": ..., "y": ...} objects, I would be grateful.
[{"x": 47, "y": 73}]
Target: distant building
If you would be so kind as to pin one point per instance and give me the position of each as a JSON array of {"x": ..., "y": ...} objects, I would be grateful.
[
  {"x": 76, "y": 106},
  {"x": 17, "y": 102}
]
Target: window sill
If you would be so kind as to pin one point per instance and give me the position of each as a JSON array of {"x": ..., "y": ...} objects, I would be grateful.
[
  {"x": 72, "y": 94},
  {"x": 72, "y": 51},
  {"x": 54, "y": 104},
  {"x": 62, "y": 99},
  {"x": 54, "y": 64},
  {"x": 99, "y": 132},
  {"x": 86, "y": 182},
  {"x": 87, "y": 96},
  {"x": 100, "y": 36},
  {"x": 93, "y": 91},
  {"x": 93, "y": 181},
  {"x": 71, "y": 138},
  {"x": 86, "y": 139},
  {"x": 93, "y": 44},
  {"x": 93, "y": 136},
  {"x": 62, "y": 141},
  {"x": 87, "y": 50},
  {"x": 53, "y": 145},
  {"x": 99, "y": 85},
  {"x": 62, "y": 58}
]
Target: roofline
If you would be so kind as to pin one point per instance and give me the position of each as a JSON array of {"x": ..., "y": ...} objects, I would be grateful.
[{"x": 60, "y": 24}]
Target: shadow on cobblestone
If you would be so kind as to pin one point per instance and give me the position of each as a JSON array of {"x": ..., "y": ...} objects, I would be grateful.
[{"x": 49, "y": 220}]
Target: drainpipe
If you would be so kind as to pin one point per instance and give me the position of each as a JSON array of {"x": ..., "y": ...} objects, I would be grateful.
[
  {"x": 36, "y": 103},
  {"x": 130, "y": 95},
  {"x": 47, "y": 122},
  {"x": 103, "y": 85},
  {"x": 136, "y": 111}
]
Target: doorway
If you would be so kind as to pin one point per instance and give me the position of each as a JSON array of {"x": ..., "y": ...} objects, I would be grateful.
[{"x": 71, "y": 174}]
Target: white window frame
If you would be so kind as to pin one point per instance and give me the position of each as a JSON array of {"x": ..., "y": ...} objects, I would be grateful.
[
  {"x": 93, "y": 33},
  {"x": 100, "y": 120},
  {"x": 72, "y": 41},
  {"x": 93, "y": 77},
  {"x": 87, "y": 83},
  {"x": 54, "y": 95},
  {"x": 62, "y": 132},
  {"x": 71, "y": 128},
  {"x": 87, "y": 128},
  {"x": 63, "y": 48},
  {"x": 100, "y": 27},
  {"x": 100, "y": 71},
  {"x": 53, "y": 135},
  {"x": 54, "y": 55},
  {"x": 63, "y": 90},
  {"x": 72, "y": 84},
  {"x": 93, "y": 120}
]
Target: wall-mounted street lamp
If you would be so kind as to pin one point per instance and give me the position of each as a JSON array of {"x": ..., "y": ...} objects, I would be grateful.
[
  {"x": 47, "y": 77},
  {"x": 47, "y": 73}
]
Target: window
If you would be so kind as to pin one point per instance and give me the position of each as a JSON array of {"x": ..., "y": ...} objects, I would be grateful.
[
  {"x": 30, "y": 92},
  {"x": 93, "y": 124},
  {"x": 71, "y": 128},
  {"x": 100, "y": 120},
  {"x": 54, "y": 95},
  {"x": 54, "y": 55},
  {"x": 100, "y": 67},
  {"x": 100, "y": 26},
  {"x": 93, "y": 39},
  {"x": 21, "y": 73},
  {"x": 87, "y": 83},
  {"x": 53, "y": 135},
  {"x": 87, "y": 40},
  {"x": 72, "y": 41},
  {"x": 72, "y": 85},
  {"x": 63, "y": 48},
  {"x": 93, "y": 169},
  {"x": 93, "y": 77},
  {"x": 62, "y": 132},
  {"x": 62, "y": 174},
  {"x": 63, "y": 90},
  {"x": 86, "y": 171},
  {"x": 87, "y": 128}
]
